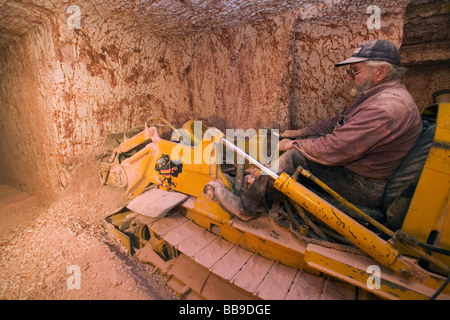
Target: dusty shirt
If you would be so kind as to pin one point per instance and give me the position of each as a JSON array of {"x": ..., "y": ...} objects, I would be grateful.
[{"x": 371, "y": 137}]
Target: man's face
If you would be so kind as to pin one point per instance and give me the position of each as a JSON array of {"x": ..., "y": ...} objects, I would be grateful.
[{"x": 360, "y": 77}]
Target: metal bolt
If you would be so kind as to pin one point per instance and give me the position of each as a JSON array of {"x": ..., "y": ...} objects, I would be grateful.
[{"x": 407, "y": 273}]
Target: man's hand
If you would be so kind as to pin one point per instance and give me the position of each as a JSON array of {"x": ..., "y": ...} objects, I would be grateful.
[
  {"x": 291, "y": 133},
  {"x": 285, "y": 144},
  {"x": 299, "y": 133}
]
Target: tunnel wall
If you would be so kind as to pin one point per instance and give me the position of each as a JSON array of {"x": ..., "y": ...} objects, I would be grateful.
[
  {"x": 27, "y": 128},
  {"x": 63, "y": 90}
]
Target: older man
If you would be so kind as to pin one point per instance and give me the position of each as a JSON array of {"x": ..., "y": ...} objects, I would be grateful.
[{"x": 355, "y": 152}]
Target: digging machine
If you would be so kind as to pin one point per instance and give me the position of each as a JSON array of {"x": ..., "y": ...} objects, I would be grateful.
[{"x": 313, "y": 245}]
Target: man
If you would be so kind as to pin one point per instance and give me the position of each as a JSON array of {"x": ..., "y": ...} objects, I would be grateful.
[{"x": 355, "y": 152}]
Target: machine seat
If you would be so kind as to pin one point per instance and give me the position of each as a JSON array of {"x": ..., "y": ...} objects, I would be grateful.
[{"x": 401, "y": 185}]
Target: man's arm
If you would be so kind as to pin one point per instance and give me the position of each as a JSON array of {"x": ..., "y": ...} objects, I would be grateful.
[
  {"x": 348, "y": 142},
  {"x": 321, "y": 128},
  {"x": 299, "y": 133}
]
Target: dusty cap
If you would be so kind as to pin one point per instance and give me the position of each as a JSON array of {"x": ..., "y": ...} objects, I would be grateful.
[{"x": 381, "y": 50}]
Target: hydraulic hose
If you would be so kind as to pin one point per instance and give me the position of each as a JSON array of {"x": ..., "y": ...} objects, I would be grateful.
[
  {"x": 409, "y": 241},
  {"x": 438, "y": 292}
]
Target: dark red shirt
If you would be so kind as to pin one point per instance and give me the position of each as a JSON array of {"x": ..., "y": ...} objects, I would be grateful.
[{"x": 372, "y": 136}]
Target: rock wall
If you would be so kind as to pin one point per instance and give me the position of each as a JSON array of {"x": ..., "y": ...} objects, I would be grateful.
[
  {"x": 106, "y": 78},
  {"x": 63, "y": 89},
  {"x": 426, "y": 49},
  {"x": 27, "y": 132}
]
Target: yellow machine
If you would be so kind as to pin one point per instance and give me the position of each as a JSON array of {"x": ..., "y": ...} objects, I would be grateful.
[{"x": 307, "y": 248}]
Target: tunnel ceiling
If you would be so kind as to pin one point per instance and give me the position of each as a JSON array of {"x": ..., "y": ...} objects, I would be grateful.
[{"x": 163, "y": 18}]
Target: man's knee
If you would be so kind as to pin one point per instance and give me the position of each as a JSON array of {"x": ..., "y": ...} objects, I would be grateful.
[{"x": 289, "y": 161}]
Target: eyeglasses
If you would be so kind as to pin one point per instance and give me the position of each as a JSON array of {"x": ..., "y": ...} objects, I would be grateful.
[{"x": 352, "y": 73}]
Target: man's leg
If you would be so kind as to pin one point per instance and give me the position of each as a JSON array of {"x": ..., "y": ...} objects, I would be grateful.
[
  {"x": 350, "y": 186},
  {"x": 262, "y": 193}
]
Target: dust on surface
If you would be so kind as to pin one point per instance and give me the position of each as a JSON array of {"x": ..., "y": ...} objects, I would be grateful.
[{"x": 58, "y": 249}]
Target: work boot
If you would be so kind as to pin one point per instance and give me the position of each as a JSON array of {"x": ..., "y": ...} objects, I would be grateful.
[{"x": 231, "y": 204}]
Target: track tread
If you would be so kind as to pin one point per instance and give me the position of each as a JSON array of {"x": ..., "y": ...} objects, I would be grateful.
[
  {"x": 217, "y": 269},
  {"x": 230, "y": 264}
]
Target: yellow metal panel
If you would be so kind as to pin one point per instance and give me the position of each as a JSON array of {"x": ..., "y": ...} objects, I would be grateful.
[
  {"x": 443, "y": 121},
  {"x": 428, "y": 209},
  {"x": 427, "y": 205},
  {"x": 288, "y": 252},
  {"x": 357, "y": 270}
]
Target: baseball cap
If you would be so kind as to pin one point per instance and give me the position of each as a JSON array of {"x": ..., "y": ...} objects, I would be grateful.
[{"x": 381, "y": 50}]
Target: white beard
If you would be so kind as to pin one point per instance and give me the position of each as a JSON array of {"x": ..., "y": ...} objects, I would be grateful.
[{"x": 366, "y": 84}]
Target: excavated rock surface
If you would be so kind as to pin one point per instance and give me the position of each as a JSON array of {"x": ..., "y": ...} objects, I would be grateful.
[{"x": 42, "y": 242}]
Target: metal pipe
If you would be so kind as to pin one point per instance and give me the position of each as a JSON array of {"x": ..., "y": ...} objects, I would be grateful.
[
  {"x": 360, "y": 213},
  {"x": 366, "y": 240},
  {"x": 409, "y": 241},
  {"x": 264, "y": 169},
  {"x": 240, "y": 179}
]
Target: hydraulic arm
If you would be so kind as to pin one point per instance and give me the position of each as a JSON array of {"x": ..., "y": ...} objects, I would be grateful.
[{"x": 384, "y": 252}]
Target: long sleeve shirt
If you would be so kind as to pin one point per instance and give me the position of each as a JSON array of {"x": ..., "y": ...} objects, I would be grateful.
[{"x": 371, "y": 137}]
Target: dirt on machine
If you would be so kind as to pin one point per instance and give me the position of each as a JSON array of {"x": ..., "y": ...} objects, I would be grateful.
[{"x": 313, "y": 245}]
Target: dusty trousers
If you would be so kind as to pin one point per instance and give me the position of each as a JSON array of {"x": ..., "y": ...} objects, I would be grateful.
[{"x": 356, "y": 189}]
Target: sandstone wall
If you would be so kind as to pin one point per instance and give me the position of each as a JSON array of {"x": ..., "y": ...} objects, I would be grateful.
[
  {"x": 106, "y": 78},
  {"x": 27, "y": 128},
  {"x": 426, "y": 48}
]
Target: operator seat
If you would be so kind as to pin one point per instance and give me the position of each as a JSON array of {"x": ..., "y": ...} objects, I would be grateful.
[{"x": 400, "y": 187}]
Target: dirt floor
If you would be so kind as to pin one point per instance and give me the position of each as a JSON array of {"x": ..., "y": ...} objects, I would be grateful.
[{"x": 57, "y": 249}]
